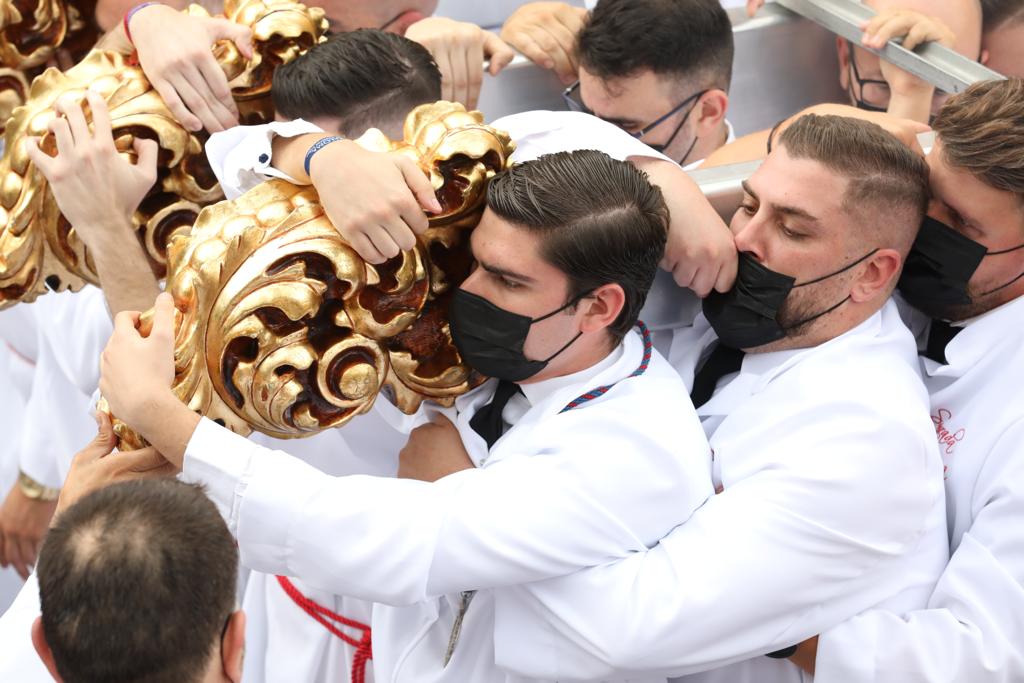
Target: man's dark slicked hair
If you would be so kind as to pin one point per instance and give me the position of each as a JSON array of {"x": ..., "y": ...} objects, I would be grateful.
[
  {"x": 367, "y": 78},
  {"x": 600, "y": 222},
  {"x": 136, "y": 582},
  {"x": 687, "y": 39},
  {"x": 995, "y": 13}
]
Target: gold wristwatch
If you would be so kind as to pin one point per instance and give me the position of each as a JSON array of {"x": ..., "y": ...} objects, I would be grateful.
[{"x": 33, "y": 490}]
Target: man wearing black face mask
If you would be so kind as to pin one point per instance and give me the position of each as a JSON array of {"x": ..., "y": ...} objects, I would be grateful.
[
  {"x": 830, "y": 481},
  {"x": 585, "y": 443},
  {"x": 965, "y": 276}
]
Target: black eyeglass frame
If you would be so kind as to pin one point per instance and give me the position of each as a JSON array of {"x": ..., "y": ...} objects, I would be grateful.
[
  {"x": 861, "y": 82},
  {"x": 577, "y": 105}
]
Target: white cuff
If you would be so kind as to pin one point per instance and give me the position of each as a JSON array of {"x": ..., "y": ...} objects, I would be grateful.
[
  {"x": 219, "y": 459},
  {"x": 241, "y": 157}
]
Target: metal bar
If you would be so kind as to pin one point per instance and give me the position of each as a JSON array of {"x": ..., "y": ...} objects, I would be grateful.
[{"x": 947, "y": 70}]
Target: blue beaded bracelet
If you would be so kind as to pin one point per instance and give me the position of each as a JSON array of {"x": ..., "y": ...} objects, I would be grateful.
[{"x": 317, "y": 146}]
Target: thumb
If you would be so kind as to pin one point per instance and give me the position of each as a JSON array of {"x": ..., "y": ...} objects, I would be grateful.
[
  {"x": 146, "y": 150},
  {"x": 419, "y": 184},
  {"x": 241, "y": 36},
  {"x": 163, "y": 317},
  {"x": 498, "y": 51},
  {"x": 141, "y": 461},
  {"x": 104, "y": 441},
  {"x": 441, "y": 420},
  {"x": 43, "y": 161}
]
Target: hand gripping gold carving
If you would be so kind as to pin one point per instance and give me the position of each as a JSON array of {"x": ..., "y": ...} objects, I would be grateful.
[
  {"x": 37, "y": 246},
  {"x": 284, "y": 329}
]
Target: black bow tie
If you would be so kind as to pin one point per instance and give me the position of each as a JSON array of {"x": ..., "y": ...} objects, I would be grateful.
[
  {"x": 722, "y": 361},
  {"x": 487, "y": 421},
  {"x": 939, "y": 336}
]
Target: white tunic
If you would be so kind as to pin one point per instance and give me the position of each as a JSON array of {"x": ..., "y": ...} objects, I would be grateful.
[
  {"x": 973, "y": 627},
  {"x": 557, "y": 492},
  {"x": 832, "y": 504},
  {"x": 287, "y": 639}
]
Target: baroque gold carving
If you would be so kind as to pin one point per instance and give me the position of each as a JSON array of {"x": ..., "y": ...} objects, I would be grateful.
[
  {"x": 283, "y": 328},
  {"x": 31, "y": 34},
  {"x": 37, "y": 246}
]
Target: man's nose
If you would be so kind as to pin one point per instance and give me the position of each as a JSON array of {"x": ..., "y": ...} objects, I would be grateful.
[{"x": 750, "y": 239}]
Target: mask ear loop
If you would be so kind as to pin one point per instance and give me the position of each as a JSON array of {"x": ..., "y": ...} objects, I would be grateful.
[
  {"x": 863, "y": 258},
  {"x": 998, "y": 253},
  {"x": 572, "y": 302},
  {"x": 815, "y": 317},
  {"x": 1004, "y": 251}
]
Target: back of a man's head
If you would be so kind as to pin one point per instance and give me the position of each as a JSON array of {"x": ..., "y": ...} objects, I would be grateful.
[
  {"x": 688, "y": 40},
  {"x": 363, "y": 79},
  {"x": 137, "y": 582},
  {"x": 887, "y": 191},
  {"x": 998, "y": 12},
  {"x": 600, "y": 221},
  {"x": 982, "y": 131}
]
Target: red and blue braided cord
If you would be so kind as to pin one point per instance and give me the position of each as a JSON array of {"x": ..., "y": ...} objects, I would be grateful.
[{"x": 601, "y": 391}]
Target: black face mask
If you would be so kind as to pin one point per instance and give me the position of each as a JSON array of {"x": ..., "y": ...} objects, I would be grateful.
[
  {"x": 939, "y": 266},
  {"x": 490, "y": 339},
  {"x": 746, "y": 316}
]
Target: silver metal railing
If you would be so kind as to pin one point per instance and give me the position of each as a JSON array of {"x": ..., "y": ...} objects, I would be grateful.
[{"x": 945, "y": 69}]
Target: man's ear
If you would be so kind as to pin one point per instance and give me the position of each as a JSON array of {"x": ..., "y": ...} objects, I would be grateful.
[
  {"x": 43, "y": 648},
  {"x": 878, "y": 276},
  {"x": 710, "y": 111},
  {"x": 843, "y": 52},
  {"x": 602, "y": 307},
  {"x": 232, "y": 647}
]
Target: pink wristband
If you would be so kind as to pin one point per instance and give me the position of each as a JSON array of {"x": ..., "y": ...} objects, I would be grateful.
[{"x": 128, "y": 18}]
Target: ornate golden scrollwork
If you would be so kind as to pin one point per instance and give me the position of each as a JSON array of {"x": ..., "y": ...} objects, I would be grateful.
[
  {"x": 37, "y": 246},
  {"x": 31, "y": 33},
  {"x": 282, "y": 328}
]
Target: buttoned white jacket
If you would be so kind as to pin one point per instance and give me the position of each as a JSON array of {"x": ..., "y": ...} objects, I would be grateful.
[
  {"x": 832, "y": 504},
  {"x": 973, "y": 627},
  {"x": 559, "y": 491}
]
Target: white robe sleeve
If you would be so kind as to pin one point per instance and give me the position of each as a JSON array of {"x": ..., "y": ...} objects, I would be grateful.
[
  {"x": 19, "y": 661},
  {"x": 57, "y": 421},
  {"x": 241, "y": 157},
  {"x": 973, "y": 628},
  {"x": 400, "y": 541},
  {"x": 774, "y": 559}
]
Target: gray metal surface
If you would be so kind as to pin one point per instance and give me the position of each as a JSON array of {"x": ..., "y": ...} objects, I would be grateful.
[
  {"x": 770, "y": 49},
  {"x": 945, "y": 69}
]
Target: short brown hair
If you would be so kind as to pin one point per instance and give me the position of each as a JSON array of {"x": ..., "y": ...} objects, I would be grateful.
[
  {"x": 136, "y": 583},
  {"x": 600, "y": 222},
  {"x": 982, "y": 131},
  {"x": 887, "y": 180},
  {"x": 999, "y": 12}
]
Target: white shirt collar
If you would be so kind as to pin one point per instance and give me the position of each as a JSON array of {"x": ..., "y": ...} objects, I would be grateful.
[
  {"x": 536, "y": 392},
  {"x": 981, "y": 334}
]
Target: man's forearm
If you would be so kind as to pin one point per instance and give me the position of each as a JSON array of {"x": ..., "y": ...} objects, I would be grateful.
[
  {"x": 168, "y": 425},
  {"x": 289, "y": 154},
  {"x": 127, "y": 280},
  {"x": 915, "y": 105}
]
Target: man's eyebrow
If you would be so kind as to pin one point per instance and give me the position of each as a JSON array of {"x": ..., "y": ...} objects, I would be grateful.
[
  {"x": 624, "y": 123},
  {"x": 961, "y": 215},
  {"x": 794, "y": 211},
  {"x": 504, "y": 272}
]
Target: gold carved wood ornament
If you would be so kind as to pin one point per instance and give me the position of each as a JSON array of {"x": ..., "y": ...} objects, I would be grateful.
[
  {"x": 281, "y": 327},
  {"x": 38, "y": 248}
]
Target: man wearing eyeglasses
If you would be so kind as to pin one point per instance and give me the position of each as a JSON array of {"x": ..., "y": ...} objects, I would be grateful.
[
  {"x": 659, "y": 70},
  {"x": 876, "y": 85}
]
